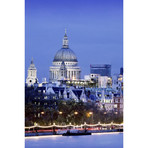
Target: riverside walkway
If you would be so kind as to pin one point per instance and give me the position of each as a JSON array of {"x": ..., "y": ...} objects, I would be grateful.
[{"x": 54, "y": 129}]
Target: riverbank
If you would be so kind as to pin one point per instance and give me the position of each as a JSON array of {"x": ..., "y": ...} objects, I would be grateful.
[{"x": 62, "y": 132}]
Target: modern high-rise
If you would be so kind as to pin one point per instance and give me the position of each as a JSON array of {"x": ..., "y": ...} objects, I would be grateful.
[
  {"x": 101, "y": 69},
  {"x": 121, "y": 71}
]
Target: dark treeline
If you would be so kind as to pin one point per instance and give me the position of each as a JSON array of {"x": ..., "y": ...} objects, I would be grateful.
[{"x": 65, "y": 112}]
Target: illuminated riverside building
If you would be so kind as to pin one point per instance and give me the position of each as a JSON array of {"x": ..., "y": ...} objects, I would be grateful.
[
  {"x": 117, "y": 82},
  {"x": 65, "y": 64},
  {"x": 101, "y": 81},
  {"x": 107, "y": 100},
  {"x": 118, "y": 103}
]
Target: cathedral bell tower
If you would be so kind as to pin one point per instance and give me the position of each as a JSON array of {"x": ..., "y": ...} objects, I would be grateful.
[{"x": 32, "y": 74}]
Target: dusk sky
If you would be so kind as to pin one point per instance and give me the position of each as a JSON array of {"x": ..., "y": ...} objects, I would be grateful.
[{"x": 94, "y": 29}]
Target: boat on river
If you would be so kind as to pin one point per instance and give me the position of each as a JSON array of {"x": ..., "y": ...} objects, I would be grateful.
[{"x": 75, "y": 133}]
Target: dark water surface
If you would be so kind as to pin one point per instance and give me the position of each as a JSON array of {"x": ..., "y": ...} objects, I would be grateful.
[{"x": 105, "y": 140}]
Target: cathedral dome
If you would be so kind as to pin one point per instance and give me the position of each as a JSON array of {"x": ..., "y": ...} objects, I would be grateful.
[
  {"x": 65, "y": 54},
  {"x": 65, "y": 64}
]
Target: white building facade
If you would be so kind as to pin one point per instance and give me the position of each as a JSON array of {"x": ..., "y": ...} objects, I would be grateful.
[
  {"x": 32, "y": 74},
  {"x": 65, "y": 64}
]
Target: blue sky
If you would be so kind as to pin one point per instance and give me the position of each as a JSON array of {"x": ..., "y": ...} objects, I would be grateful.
[{"x": 94, "y": 29}]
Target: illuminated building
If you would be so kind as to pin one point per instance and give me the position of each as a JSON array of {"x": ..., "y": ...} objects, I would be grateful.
[
  {"x": 65, "y": 64},
  {"x": 32, "y": 74}
]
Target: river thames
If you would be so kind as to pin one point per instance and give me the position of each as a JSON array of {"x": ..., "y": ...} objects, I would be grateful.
[{"x": 99, "y": 140}]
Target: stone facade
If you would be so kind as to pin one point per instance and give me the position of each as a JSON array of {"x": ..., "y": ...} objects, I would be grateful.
[
  {"x": 32, "y": 74},
  {"x": 65, "y": 64}
]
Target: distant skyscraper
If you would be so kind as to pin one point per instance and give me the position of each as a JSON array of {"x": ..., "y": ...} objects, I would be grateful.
[
  {"x": 32, "y": 74},
  {"x": 121, "y": 71},
  {"x": 101, "y": 69},
  {"x": 65, "y": 64}
]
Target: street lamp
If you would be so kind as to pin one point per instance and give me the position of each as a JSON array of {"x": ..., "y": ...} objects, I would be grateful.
[
  {"x": 60, "y": 113},
  {"x": 75, "y": 113},
  {"x": 91, "y": 113},
  {"x": 42, "y": 113},
  {"x": 105, "y": 116}
]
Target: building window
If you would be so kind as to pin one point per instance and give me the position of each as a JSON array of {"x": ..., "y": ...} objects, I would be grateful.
[
  {"x": 62, "y": 73},
  {"x": 39, "y": 115}
]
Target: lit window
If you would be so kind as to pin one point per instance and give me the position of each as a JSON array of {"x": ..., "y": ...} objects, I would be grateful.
[{"x": 38, "y": 114}]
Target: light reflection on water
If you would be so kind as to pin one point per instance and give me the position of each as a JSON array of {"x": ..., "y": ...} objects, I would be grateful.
[{"x": 101, "y": 140}]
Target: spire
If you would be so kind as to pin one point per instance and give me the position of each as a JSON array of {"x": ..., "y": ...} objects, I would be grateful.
[
  {"x": 32, "y": 60},
  {"x": 65, "y": 40},
  {"x": 32, "y": 66},
  {"x": 65, "y": 33}
]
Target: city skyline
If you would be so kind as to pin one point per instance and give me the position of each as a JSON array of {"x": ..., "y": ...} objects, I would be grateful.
[{"x": 94, "y": 29}]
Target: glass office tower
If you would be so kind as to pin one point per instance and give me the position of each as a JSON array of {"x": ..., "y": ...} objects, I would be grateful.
[{"x": 101, "y": 69}]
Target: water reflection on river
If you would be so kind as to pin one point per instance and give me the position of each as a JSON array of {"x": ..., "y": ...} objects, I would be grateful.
[{"x": 105, "y": 140}]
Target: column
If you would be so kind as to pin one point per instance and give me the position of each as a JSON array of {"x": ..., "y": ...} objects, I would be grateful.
[
  {"x": 74, "y": 74},
  {"x": 54, "y": 75},
  {"x": 78, "y": 74},
  {"x": 51, "y": 74},
  {"x": 58, "y": 74},
  {"x": 69, "y": 74}
]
